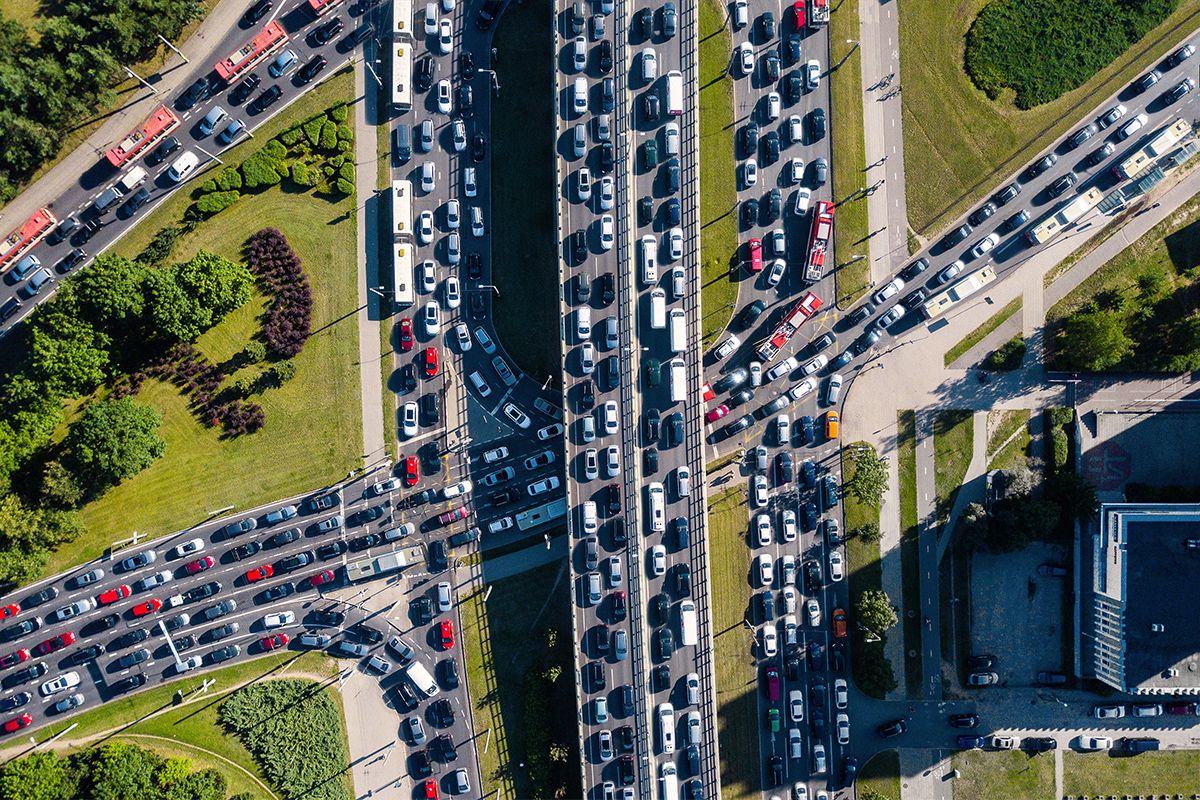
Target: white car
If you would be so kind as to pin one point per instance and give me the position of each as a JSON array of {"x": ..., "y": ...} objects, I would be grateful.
[
  {"x": 453, "y": 249},
  {"x": 812, "y": 74},
  {"x": 795, "y": 134},
  {"x": 817, "y": 363},
  {"x": 790, "y": 629},
  {"x": 762, "y": 527},
  {"x": 675, "y": 244},
  {"x": 457, "y": 490},
  {"x": 543, "y": 486},
  {"x": 840, "y": 693},
  {"x": 1095, "y": 743},
  {"x": 787, "y": 570},
  {"x": 1006, "y": 742},
  {"x": 428, "y": 277},
  {"x": 755, "y": 374},
  {"x": 949, "y": 273},
  {"x": 591, "y": 468},
  {"x": 189, "y": 547},
  {"x": 789, "y": 526},
  {"x": 477, "y": 221},
  {"x": 433, "y": 322},
  {"x": 500, "y": 525},
  {"x": 612, "y": 460},
  {"x": 445, "y": 35},
  {"x": 68, "y": 680},
  {"x": 804, "y": 387},
  {"x": 425, "y": 227},
  {"x": 1112, "y": 115},
  {"x": 774, "y": 106},
  {"x": 796, "y": 705},
  {"x": 443, "y": 96},
  {"x": 453, "y": 293},
  {"x": 835, "y": 566},
  {"x": 409, "y": 420},
  {"x": 587, "y": 358},
  {"x": 460, "y": 136},
  {"x": 579, "y": 53},
  {"x": 583, "y": 184},
  {"x": 493, "y": 456},
  {"x": 1133, "y": 126},
  {"x": 770, "y": 641},
  {"x": 470, "y": 187},
  {"x": 984, "y": 245},
  {"x": 788, "y": 595},
  {"x": 843, "y": 729},
  {"x": 749, "y": 174},
  {"x": 778, "y": 267},
  {"x": 607, "y": 235},
  {"x": 463, "y": 336},
  {"x": 453, "y": 215},
  {"x": 611, "y": 416},
  {"x": 183, "y": 166},
  {"x": 889, "y": 290},
  {"x": 499, "y": 476},
  {"x": 803, "y": 196},
  {"x": 766, "y": 566},
  {"x": 431, "y": 19},
  {"x": 550, "y": 431},
  {"x": 745, "y": 57},
  {"x": 781, "y": 369},
  {"x": 726, "y": 348},
  {"x": 579, "y": 96},
  {"x": 814, "y": 612},
  {"x": 607, "y": 193},
  {"x": 428, "y": 183},
  {"x": 760, "y": 490},
  {"x": 777, "y": 241},
  {"x": 658, "y": 560},
  {"x": 278, "y": 620},
  {"x": 521, "y": 420},
  {"x": 671, "y": 138},
  {"x": 683, "y": 481}
]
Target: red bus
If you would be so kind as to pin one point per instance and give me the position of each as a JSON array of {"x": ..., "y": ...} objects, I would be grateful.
[
  {"x": 323, "y": 7},
  {"x": 269, "y": 41},
  {"x": 157, "y": 125},
  {"x": 24, "y": 238}
]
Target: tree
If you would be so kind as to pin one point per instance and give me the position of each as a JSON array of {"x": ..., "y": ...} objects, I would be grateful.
[
  {"x": 870, "y": 475},
  {"x": 1094, "y": 340},
  {"x": 60, "y": 489},
  {"x": 1019, "y": 521},
  {"x": 69, "y": 357},
  {"x": 1074, "y": 494},
  {"x": 185, "y": 300},
  {"x": 38, "y": 776},
  {"x": 114, "y": 440},
  {"x": 1017, "y": 481},
  {"x": 972, "y": 526},
  {"x": 110, "y": 290},
  {"x": 172, "y": 771},
  {"x": 875, "y": 611},
  {"x": 868, "y": 533}
]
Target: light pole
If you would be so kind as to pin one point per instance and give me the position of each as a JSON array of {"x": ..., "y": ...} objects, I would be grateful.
[
  {"x": 495, "y": 79},
  {"x": 489, "y": 286}
]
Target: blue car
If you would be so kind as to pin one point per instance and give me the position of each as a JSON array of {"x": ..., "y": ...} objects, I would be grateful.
[
  {"x": 809, "y": 470},
  {"x": 809, "y": 513},
  {"x": 810, "y": 432},
  {"x": 830, "y": 488}
]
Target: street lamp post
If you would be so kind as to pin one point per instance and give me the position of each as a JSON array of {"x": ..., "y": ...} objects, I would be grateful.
[{"x": 489, "y": 286}]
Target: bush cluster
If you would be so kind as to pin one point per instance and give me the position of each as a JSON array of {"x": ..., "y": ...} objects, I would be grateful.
[
  {"x": 1009, "y": 355},
  {"x": 1072, "y": 40},
  {"x": 288, "y": 320},
  {"x": 294, "y": 730}
]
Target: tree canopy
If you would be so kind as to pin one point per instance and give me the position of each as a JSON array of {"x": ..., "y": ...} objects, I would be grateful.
[
  {"x": 114, "y": 440},
  {"x": 870, "y": 475},
  {"x": 875, "y": 611}
]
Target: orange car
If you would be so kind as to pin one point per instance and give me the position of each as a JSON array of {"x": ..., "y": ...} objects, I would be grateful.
[
  {"x": 148, "y": 607},
  {"x": 258, "y": 573}
]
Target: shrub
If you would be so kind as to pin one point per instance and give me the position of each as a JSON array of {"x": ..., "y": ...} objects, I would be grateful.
[
  {"x": 254, "y": 352},
  {"x": 275, "y": 149},
  {"x": 344, "y": 186},
  {"x": 1061, "y": 449},
  {"x": 229, "y": 178},
  {"x": 339, "y": 112},
  {"x": 260, "y": 170},
  {"x": 209, "y": 185},
  {"x": 347, "y": 171},
  {"x": 345, "y": 146},
  {"x": 217, "y": 201},
  {"x": 304, "y": 175},
  {"x": 1061, "y": 416},
  {"x": 329, "y": 135},
  {"x": 291, "y": 136},
  {"x": 1008, "y": 357},
  {"x": 345, "y": 132},
  {"x": 283, "y": 372},
  {"x": 312, "y": 130},
  {"x": 160, "y": 247}
]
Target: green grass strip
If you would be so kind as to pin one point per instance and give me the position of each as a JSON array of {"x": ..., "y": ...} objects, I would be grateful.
[
  {"x": 882, "y": 775},
  {"x": 953, "y": 440},
  {"x": 976, "y": 336},
  {"x": 849, "y": 153},
  {"x": 910, "y": 562},
  {"x": 718, "y": 194}
]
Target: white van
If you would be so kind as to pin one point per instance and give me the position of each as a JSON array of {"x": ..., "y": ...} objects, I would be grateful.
[
  {"x": 678, "y": 380},
  {"x": 678, "y": 331},
  {"x": 583, "y": 319},
  {"x": 670, "y": 781},
  {"x": 658, "y": 507},
  {"x": 422, "y": 680},
  {"x": 649, "y": 260},
  {"x": 131, "y": 180},
  {"x": 590, "y": 524},
  {"x": 687, "y": 623},
  {"x": 658, "y": 309},
  {"x": 480, "y": 384},
  {"x": 666, "y": 727}
]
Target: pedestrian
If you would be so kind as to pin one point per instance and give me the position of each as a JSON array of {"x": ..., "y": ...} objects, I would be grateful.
[{"x": 882, "y": 160}]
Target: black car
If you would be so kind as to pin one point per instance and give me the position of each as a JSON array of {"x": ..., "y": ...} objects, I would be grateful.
[
  {"x": 596, "y": 676},
  {"x": 478, "y": 306},
  {"x": 296, "y": 562},
  {"x": 445, "y": 743},
  {"x": 1042, "y": 164},
  {"x": 606, "y": 158},
  {"x": 957, "y": 235},
  {"x": 311, "y": 69},
  {"x": 683, "y": 577},
  {"x": 651, "y": 106},
  {"x": 849, "y": 770},
  {"x": 791, "y": 665},
  {"x": 450, "y": 673},
  {"x": 367, "y": 633},
  {"x": 424, "y": 77},
  {"x": 643, "y": 22},
  {"x": 618, "y": 605},
  {"x": 466, "y": 104},
  {"x": 85, "y": 656},
  {"x": 1082, "y": 135},
  {"x": 981, "y": 663},
  {"x": 614, "y": 498},
  {"x": 606, "y": 57},
  {"x": 1146, "y": 81},
  {"x": 201, "y": 592},
  {"x": 1181, "y": 55},
  {"x": 406, "y": 699},
  {"x": 915, "y": 299},
  {"x": 443, "y": 713},
  {"x": 774, "y": 205},
  {"x": 195, "y": 93},
  {"x": 1179, "y": 90},
  {"x": 257, "y": 11},
  {"x": 750, "y": 213},
  {"x": 793, "y": 88},
  {"x": 128, "y": 639},
  {"x": 73, "y": 259},
  {"x": 244, "y": 550},
  {"x": 466, "y": 65},
  {"x": 626, "y": 773},
  {"x": 16, "y": 701},
  {"x": 478, "y": 148},
  {"x": 662, "y": 608},
  {"x": 1060, "y": 185},
  {"x": 185, "y": 643},
  {"x": 579, "y": 246},
  {"x": 674, "y": 429},
  {"x": 331, "y": 550},
  {"x": 812, "y": 577},
  {"x": 32, "y": 672},
  {"x": 651, "y": 460},
  {"x": 837, "y": 656},
  {"x": 20, "y": 629},
  {"x": 1103, "y": 152},
  {"x": 750, "y": 314},
  {"x": 422, "y": 767},
  {"x": 106, "y": 622},
  {"x": 168, "y": 146},
  {"x": 583, "y": 289},
  {"x": 1039, "y": 744},
  {"x": 750, "y": 138},
  {"x": 783, "y": 468},
  {"x": 328, "y": 619},
  {"x": 133, "y": 682},
  {"x": 323, "y": 33},
  {"x": 360, "y": 35},
  {"x": 268, "y": 97},
  {"x": 771, "y": 66},
  {"x": 587, "y": 395},
  {"x": 1008, "y": 194},
  {"x": 1017, "y": 220},
  {"x": 438, "y": 561},
  {"x": 982, "y": 213},
  {"x": 285, "y": 537},
  {"x": 278, "y": 592},
  {"x": 770, "y": 148},
  {"x": 864, "y": 343},
  {"x": 816, "y": 124},
  {"x": 504, "y": 497},
  {"x": 474, "y": 266},
  {"x": 776, "y": 770},
  {"x": 964, "y": 720},
  {"x": 661, "y": 677}
]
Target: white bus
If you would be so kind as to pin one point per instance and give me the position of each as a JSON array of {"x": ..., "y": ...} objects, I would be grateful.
[
  {"x": 401, "y": 76},
  {"x": 678, "y": 380},
  {"x": 402, "y": 219},
  {"x": 658, "y": 309},
  {"x": 402, "y": 20},
  {"x": 403, "y": 291},
  {"x": 658, "y": 507},
  {"x": 674, "y": 93},
  {"x": 678, "y": 331}
]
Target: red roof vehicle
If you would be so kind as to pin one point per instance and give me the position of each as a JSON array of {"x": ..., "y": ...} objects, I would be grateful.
[
  {"x": 148, "y": 607},
  {"x": 57, "y": 643},
  {"x": 321, "y": 577},
  {"x": 199, "y": 565},
  {"x": 10, "y": 611},
  {"x": 258, "y": 573},
  {"x": 447, "y": 632},
  {"x": 431, "y": 789},
  {"x": 839, "y": 622},
  {"x": 716, "y": 413},
  {"x": 431, "y": 362},
  {"x": 18, "y": 723},
  {"x": 271, "y": 642},
  {"x": 113, "y": 595},
  {"x": 12, "y": 659},
  {"x": 801, "y": 16},
  {"x": 755, "y": 255},
  {"x": 406, "y": 334},
  {"x": 411, "y": 472}
]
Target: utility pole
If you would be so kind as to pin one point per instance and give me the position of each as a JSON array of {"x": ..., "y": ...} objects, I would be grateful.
[{"x": 173, "y": 47}]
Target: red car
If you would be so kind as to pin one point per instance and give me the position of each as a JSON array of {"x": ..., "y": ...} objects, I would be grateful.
[
  {"x": 716, "y": 413},
  {"x": 756, "y": 264},
  {"x": 12, "y": 659},
  {"x": 9, "y": 611},
  {"x": 18, "y": 723},
  {"x": 199, "y": 565},
  {"x": 431, "y": 789},
  {"x": 447, "y": 631},
  {"x": 113, "y": 595},
  {"x": 265, "y": 571},
  {"x": 411, "y": 473},
  {"x": 406, "y": 334},
  {"x": 321, "y": 577},
  {"x": 801, "y": 16},
  {"x": 431, "y": 362},
  {"x": 148, "y": 607},
  {"x": 271, "y": 642},
  {"x": 57, "y": 643}
]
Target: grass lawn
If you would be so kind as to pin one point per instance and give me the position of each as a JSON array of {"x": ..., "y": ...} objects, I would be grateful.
[
  {"x": 881, "y": 774},
  {"x": 525, "y": 252},
  {"x": 958, "y": 144},
  {"x": 313, "y": 431},
  {"x": 1161, "y": 773},
  {"x": 953, "y": 437},
  {"x": 1011, "y": 774},
  {"x": 503, "y": 639},
  {"x": 1002, "y": 425},
  {"x": 910, "y": 558},
  {"x": 736, "y": 673},
  {"x": 712, "y": 466},
  {"x": 1014, "y": 454},
  {"x": 718, "y": 195},
  {"x": 849, "y": 153},
  {"x": 238, "y": 778},
  {"x": 976, "y": 336}
]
